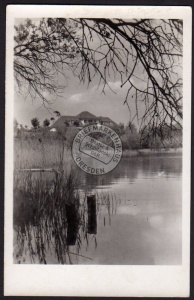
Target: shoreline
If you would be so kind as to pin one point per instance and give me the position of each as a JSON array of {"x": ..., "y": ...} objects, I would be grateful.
[{"x": 151, "y": 152}]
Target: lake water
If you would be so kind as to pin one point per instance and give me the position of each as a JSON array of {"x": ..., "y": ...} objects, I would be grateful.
[
  {"x": 146, "y": 226},
  {"x": 139, "y": 216}
]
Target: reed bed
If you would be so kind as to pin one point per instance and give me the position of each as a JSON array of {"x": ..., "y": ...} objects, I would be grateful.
[
  {"x": 50, "y": 210},
  {"x": 40, "y": 213},
  {"x": 40, "y": 153},
  {"x": 41, "y": 200}
]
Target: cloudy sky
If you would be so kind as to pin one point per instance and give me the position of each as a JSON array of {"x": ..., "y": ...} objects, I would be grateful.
[{"x": 75, "y": 99}]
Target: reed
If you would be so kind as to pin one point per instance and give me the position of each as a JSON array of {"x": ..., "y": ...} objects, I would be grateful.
[
  {"x": 50, "y": 210},
  {"x": 41, "y": 200}
]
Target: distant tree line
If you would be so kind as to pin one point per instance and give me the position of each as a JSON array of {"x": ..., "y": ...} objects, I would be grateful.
[{"x": 161, "y": 137}]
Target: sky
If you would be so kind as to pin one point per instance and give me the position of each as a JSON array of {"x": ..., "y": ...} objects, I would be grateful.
[{"x": 75, "y": 99}]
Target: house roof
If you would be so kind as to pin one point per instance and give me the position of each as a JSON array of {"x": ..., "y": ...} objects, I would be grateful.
[
  {"x": 83, "y": 115},
  {"x": 61, "y": 121},
  {"x": 106, "y": 119},
  {"x": 86, "y": 115}
]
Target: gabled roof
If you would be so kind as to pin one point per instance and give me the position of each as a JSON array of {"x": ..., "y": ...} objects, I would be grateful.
[
  {"x": 61, "y": 121},
  {"x": 85, "y": 115}
]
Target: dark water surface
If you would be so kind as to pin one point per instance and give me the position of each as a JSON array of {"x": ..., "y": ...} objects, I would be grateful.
[
  {"x": 139, "y": 216},
  {"x": 146, "y": 226}
]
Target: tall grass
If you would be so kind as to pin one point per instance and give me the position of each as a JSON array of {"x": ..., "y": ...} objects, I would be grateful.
[
  {"x": 40, "y": 212},
  {"x": 40, "y": 153},
  {"x": 50, "y": 211},
  {"x": 41, "y": 199}
]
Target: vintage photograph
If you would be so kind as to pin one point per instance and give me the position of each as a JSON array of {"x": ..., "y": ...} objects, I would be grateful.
[
  {"x": 98, "y": 140},
  {"x": 125, "y": 75}
]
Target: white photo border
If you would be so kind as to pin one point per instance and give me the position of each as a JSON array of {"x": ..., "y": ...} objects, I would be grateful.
[{"x": 98, "y": 280}]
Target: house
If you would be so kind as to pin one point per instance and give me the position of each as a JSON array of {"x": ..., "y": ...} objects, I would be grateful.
[{"x": 83, "y": 119}]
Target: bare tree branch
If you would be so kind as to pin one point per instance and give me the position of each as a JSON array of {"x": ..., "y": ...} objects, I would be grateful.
[{"x": 145, "y": 55}]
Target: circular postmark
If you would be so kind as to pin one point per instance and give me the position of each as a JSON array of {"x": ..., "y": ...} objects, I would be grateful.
[{"x": 97, "y": 149}]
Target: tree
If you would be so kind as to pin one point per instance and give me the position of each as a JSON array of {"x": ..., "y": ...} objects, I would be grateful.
[
  {"x": 53, "y": 120},
  {"x": 46, "y": 123},
  {"x": 58, "y": 114},
  {"x": 43, "y": 53},
  {"x": 162, "y": 137},
  {"x": 131, "y": 138},
  {"x": 119, "y": 129},
  {"x": 145, "y": 54},
  {"x": 35, "y": 123}
]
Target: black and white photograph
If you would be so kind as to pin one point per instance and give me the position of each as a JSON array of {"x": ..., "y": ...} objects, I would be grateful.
[{"x": 97, "y": 144}]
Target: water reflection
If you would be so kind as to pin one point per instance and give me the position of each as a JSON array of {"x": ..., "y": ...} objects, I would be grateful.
[
  {"x": 130, "y": 169},
  {"x": 136, "y": 220},
  {"x": 147, "y": 226},
  {"x": 53, "y": 230}
]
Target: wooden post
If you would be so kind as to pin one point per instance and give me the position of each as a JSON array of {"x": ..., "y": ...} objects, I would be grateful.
[
  {"x": 92, "y": 220},
  {"x": 72, "y": 224}
]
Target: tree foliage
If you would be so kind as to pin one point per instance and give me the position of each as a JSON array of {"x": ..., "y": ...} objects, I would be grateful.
[
  {"x": 46, "y": 123},
  {"x": 57, "y": 113},
  {"x": 43, "y": 52},
  {"x": 131, "y": 137},
  {"x": 35, "y": 123},
  {"x": 162, "y": 137},
  {"x": 145, "y": 55}
]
